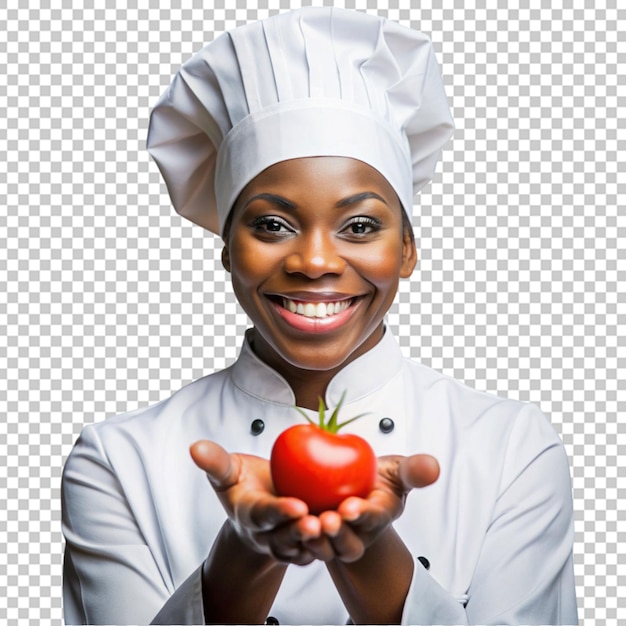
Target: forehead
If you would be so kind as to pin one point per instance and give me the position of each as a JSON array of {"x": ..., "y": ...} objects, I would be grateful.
[{"x": 335, "y": 177}]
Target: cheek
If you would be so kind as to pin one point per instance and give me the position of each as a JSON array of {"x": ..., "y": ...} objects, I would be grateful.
[
  {"x": 252, "y": 265},
  {"x": 382, "y": 268},
  {"x": 248, "y": 263},
  {"x": 243, "y": 271}
]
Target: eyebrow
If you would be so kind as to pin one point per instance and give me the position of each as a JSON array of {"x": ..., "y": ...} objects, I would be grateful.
[
  {"x": 274, "y": 199},
  {"x": 287, "y": 204},
  {"x": 359, "y": 197}
]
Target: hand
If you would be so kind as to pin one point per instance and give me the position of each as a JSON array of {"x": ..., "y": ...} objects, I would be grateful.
[
  {"x": 359, "y": 522},
  {"x": 270, "y": 525}
]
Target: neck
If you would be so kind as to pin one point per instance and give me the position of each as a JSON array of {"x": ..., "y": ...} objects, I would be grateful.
[{"x": 308, "y": 385}]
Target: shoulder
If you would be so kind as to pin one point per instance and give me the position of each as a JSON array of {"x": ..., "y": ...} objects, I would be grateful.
[
  {"x": 503, "y": 444},
  {"x": 479, "y": 419},
  {"x": 451, "y": 395},
  {"x": 131, "y": 433},
  {"x": 175, "y": 407}
]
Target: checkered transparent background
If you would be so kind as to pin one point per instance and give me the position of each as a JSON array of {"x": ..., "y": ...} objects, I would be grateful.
[{"x": 109, "y": 300}]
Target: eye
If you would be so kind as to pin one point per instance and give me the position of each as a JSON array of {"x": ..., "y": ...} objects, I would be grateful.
[
  {"x": 361, "y": 226},
  {"x": 271, "y": 225}
]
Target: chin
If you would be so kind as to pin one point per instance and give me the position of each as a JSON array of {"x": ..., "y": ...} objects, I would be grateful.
[{"x": 314, "y": 356}]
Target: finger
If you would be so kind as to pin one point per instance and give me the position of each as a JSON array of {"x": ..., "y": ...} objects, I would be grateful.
[
  {"x": 418, "y": 470},
  {"x": 321, "y": 549},
  {"x": 332, "y": 528},
  {"x": 296, "y": 555},
  {"x": 351, "y": 509},
  {"x": 364, "y": 516},
  {"x": 346, "y": 544},
  {"x": 216, "y": 462},
  {"x": 270, "y": 512},
  {"x": 288, "y": 542},
  {"x": 331, "y": 522}
]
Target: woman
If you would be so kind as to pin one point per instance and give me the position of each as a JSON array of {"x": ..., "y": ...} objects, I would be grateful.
[{"x": 301, "y": 141}]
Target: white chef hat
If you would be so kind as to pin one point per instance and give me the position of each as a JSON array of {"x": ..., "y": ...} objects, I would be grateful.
[{"x": 309, "y": 82}]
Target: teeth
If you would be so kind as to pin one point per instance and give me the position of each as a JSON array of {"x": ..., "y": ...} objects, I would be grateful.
[{"x": 316, "y": 309}]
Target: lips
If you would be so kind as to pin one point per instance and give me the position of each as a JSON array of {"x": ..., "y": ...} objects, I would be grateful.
[
  {"x": 316, "y": 309},
  {"x": 315, "y": 312}
]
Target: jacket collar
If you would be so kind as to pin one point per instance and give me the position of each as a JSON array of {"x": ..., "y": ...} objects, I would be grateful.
[{"x": 360, "y": 378}]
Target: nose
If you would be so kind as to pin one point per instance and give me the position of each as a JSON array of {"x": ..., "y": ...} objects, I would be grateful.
[{"x": 314, "y": 256}]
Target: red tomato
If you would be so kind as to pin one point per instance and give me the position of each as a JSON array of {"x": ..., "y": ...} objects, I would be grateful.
[{"x": 320, "y": 467}]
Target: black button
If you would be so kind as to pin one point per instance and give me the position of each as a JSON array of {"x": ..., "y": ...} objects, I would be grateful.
[
  {"x": 256, "y": 428},
  {"x": 424, "y": 561},
  {"x": 386, "y": 425},
  {"x": 270, "y": 619}
]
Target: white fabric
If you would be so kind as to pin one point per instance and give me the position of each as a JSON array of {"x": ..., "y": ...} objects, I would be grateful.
[
  {"x": 311, "y": 82},
  {"x": 139, "y": 517}
]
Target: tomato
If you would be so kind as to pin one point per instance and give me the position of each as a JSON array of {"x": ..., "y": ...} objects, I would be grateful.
[{"x": 315, "y": 464}]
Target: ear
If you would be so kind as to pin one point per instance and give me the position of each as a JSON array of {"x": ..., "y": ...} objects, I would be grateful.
[
  {"x": 409, "y": 253},
  {"x": 226, "y": 258}
]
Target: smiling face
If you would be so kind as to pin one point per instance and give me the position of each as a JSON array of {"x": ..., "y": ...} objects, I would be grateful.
[{"x": 315, "y": 248}]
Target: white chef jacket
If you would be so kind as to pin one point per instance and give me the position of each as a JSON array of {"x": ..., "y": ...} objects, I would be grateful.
[{"x": 139, "y": 517}]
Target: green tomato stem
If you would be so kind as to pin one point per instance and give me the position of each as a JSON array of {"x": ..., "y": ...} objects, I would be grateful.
[{"x": 332, "y": 425}]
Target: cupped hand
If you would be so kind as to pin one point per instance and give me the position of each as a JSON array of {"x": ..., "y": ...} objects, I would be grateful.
[
  {"x": 276, "y": 526},
  {"x": 359, "y": 522}
]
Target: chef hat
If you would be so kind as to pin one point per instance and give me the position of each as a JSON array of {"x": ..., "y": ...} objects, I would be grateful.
[{"x": 309, "y": 82}]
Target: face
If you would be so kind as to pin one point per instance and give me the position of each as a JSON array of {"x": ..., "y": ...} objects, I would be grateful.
[{"x": 315, "y": 248}]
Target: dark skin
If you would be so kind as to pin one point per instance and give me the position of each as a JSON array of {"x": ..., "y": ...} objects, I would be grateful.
[{"x": 313, "y": 230}]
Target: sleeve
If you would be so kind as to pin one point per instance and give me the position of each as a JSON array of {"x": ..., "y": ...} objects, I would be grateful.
[
  {"x": 111, "y": 575},
  {"x": 524, "y": 573}
]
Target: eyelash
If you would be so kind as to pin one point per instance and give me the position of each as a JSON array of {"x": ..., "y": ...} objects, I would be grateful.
[
  {"x": 371, "y": 222},
  {"x": 260, "y": 224}
]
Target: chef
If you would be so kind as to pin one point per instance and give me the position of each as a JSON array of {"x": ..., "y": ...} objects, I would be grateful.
[{"x": 301, "y": 140}]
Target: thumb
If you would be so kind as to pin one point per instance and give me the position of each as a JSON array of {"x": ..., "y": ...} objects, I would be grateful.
[
  {"x": 419, "y": 470},
  {"x": 216, "y": 462}
]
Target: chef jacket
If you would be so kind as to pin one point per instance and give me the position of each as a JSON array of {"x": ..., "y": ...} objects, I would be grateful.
[{"x": 496, "y": 528}]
